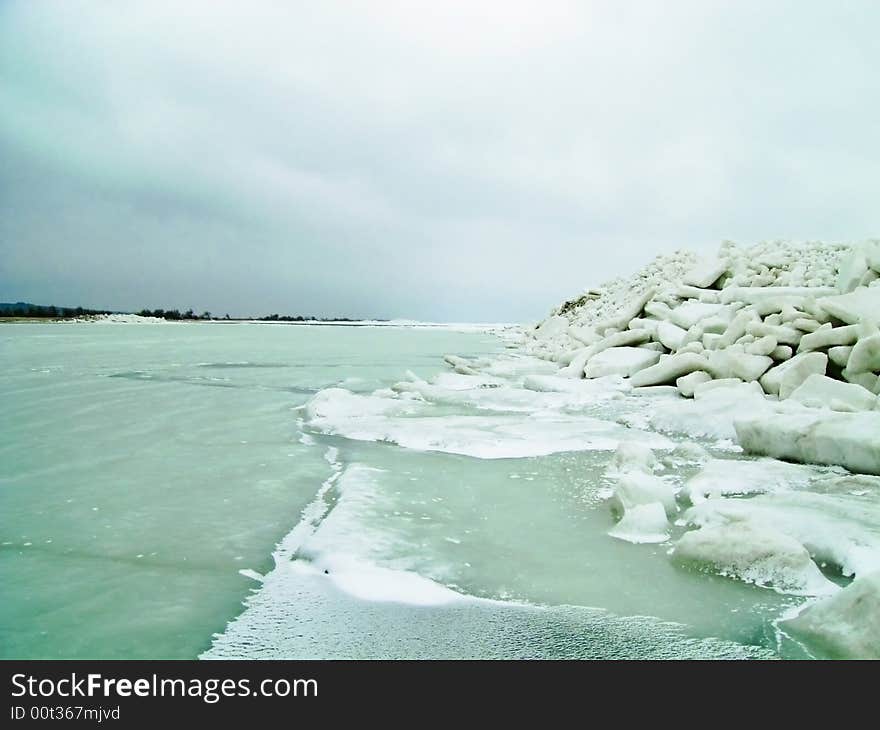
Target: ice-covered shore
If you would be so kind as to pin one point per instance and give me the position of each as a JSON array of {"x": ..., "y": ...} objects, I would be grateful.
[
  {"x": 695, "y": 383},
  {"x": 797, "y": 322},
  {"x": 775, "y": 348}
]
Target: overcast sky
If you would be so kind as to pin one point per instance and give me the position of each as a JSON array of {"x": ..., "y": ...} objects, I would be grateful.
[{"x": 474, "y": 160}]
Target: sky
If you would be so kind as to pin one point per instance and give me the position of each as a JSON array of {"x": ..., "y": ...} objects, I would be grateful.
[{"x": 449, "y": 161}]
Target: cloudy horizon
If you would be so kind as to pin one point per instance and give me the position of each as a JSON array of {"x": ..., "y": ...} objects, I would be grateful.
[{"x": 460, "y": 161}]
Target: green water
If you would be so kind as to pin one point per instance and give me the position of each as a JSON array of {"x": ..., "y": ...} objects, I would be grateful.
[{"x": 143, "y": 466}]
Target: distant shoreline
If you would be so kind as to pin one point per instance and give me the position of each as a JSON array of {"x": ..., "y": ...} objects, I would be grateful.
[{"x": 138, "y": 320}]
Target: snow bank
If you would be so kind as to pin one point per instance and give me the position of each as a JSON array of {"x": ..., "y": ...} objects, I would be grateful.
[{"x": 121, "y": 319}]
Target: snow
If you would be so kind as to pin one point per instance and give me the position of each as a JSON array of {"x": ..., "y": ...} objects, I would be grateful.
[
  {"x": 121, "y": 319},
  {"x": 553, "y": 326},
  {"x": 340, "y": 548},
  {"x": 846, "y": 624}
]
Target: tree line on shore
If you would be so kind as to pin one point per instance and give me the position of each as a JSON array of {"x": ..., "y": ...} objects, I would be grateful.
[
  {"x": 189, "y": 314},
  {"x": 43, "y": 311},
  {"x": 50, "y": 311},
  {"x": 174, "y": 314}
]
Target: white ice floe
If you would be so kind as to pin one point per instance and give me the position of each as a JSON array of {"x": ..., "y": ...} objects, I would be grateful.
[
  {"x": 851, "y": 440},
  {"x": 687, "y": 384},
  {"x": 712, "y": 412},
  {"x": 829, "y": 336},
  {"x": 763, "y": 304},
  {"x": 415, "y": 424},
  {"x": 689, "y": 313},
  {"x": 865, "y": 355},
  {"x": 733, "y": 364},
  {"x": 643, "y": 523},
  {"x": 639, "y": 498},
  {"x": 754, "y": 554},
  {"x": 339, "y": 545},
  {"x": 819, "y": 391},
  {"x": 854, "y": 307},
  {"x": 785, "y": 377},
  {"x": 669, "y": 369},
  {"x": 775, "y": 351},
  {"x": 623, "y": 361},
  {"x": 633, "y": 488},
  {"x": 725, "y": 477},
  {"x": 705, "y": 273},
  {"x": 840, "y": 530},
  {"x": 596, "y": 388},
  {"x": 846, "y": 624}
]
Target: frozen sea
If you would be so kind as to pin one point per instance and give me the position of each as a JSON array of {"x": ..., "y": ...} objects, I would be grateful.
[{"x": 166, "y": 491}]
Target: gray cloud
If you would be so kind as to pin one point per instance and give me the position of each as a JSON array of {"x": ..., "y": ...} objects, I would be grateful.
[{"x": 453, "y": 160}]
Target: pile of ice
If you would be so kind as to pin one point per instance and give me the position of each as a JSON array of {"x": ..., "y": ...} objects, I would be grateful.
[
  {"x": 776, "y": 346},
  {"x": 119, "y": 318},
  {"x": 781, "y": 526}
]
